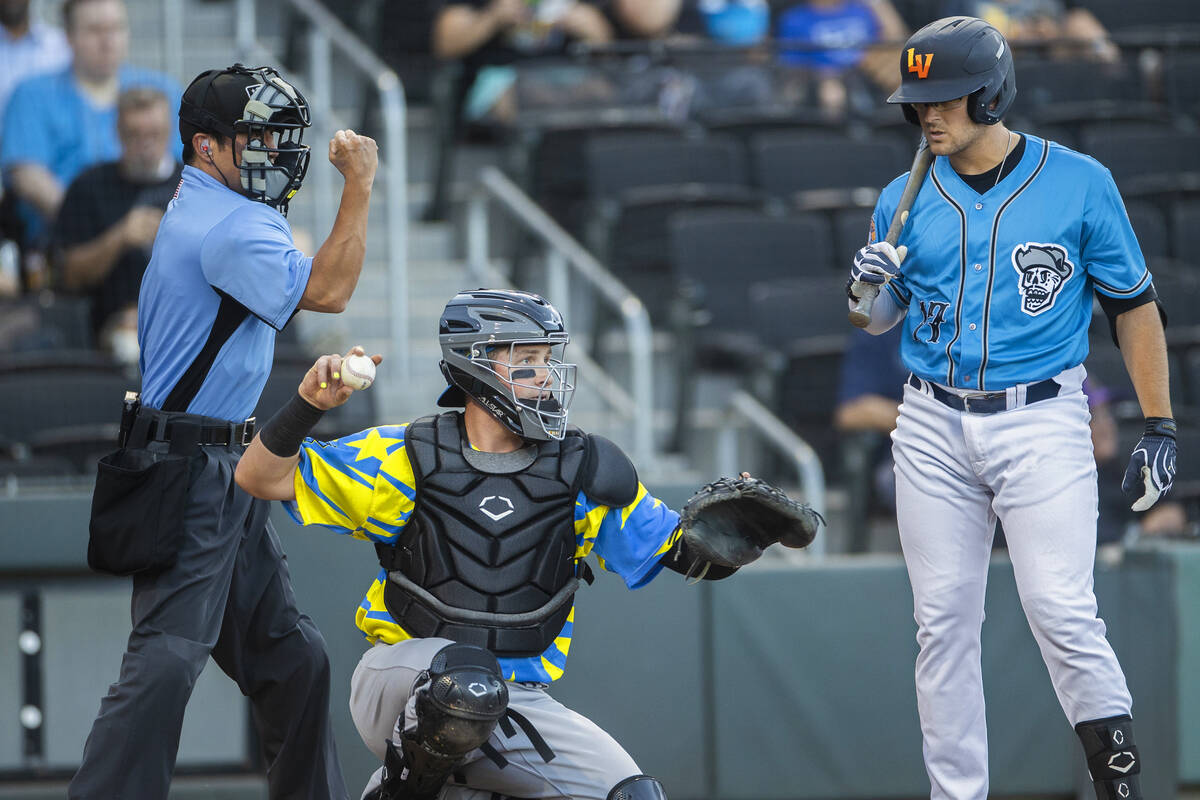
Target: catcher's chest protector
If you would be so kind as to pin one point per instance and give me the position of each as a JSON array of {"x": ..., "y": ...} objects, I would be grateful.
[{"x": 502, "y": 544}]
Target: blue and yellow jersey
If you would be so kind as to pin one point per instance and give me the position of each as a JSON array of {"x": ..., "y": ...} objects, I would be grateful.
[{"x": 363, "y": 486}]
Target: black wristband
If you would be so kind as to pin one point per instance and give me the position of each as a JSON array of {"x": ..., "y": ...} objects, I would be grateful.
[
  {"x": 1160, "y": 426},
  {"x": 284, "y": 432}
]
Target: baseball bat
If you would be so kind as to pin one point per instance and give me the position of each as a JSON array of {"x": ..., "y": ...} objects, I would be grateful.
[{"x": 860, "y": 315}]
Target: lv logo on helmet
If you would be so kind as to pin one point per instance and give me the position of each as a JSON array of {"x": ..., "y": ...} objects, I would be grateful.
[{"x": 915, "y": 64}]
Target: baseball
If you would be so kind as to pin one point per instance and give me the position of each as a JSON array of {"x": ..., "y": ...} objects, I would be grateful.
[{"x": 358, "y": 372}]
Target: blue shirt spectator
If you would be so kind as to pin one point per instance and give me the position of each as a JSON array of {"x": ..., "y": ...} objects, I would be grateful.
[
  {"x": 27, "y": 48},
  {"x": 871, "y": 366},
  {"x": 842, "y": 27},
  {"x": 57, "y": 125}
]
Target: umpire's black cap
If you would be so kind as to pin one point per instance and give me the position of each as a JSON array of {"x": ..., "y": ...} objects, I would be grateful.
[
  {"x": 957, "y": 57},
  {"x": 214, "y": 101}
]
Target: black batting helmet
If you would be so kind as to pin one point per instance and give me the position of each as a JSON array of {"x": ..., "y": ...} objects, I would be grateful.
[{"x": 957, "y": 57}]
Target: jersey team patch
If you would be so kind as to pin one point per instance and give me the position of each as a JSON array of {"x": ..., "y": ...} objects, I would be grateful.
[{"x": 1043, "y": 268}]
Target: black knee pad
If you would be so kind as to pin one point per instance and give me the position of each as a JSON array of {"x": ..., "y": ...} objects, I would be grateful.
[
  {"x": 639, "y": 787},
  {"x": 1112, "y": 757},
  {"x": 459, "y": 700}
]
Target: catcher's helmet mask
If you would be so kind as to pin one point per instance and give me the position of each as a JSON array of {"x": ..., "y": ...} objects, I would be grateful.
[
  {"x": 957, "y": 57},
  {"x": 259, "y": 103},
  {"x": 480, "y": 331}
]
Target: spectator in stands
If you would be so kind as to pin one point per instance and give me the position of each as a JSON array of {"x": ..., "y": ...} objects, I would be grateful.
[
  {"x": 106, "y": 227},
  {"x": 58, "y": 124},
  {"x": 1025, "y": 22},
  {"x": 27, "y": 47},
  {"x": 869, "y": 391},
  {"x": 644, "y": 19},
  {"x": 488, "y": 35},
  {"x": 860, "y": 38}
]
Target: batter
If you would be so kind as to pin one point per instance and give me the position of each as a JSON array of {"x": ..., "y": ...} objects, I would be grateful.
[{"x": 1006, "y": 243}]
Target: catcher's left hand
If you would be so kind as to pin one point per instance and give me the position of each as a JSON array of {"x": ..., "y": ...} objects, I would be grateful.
[{"x": 732, "y": 520}]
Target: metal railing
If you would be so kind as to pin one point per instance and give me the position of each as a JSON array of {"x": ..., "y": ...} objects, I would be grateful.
[
  {"x": 744, "y": 410},
  {"x": 327, "y": 34},
  {"x": 564, "y": 254}
]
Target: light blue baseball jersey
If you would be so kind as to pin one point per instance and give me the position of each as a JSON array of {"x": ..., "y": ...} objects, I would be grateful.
[
  {"x": 999, "y": 285},
  {"x": 216, "y": 249}
]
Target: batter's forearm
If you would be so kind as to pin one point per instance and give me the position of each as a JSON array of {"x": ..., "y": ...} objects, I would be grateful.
[
  {"x": 338, "y": 264},
  {"x": 884, "y": 314},
  {"x": 1144, "y": 349}
]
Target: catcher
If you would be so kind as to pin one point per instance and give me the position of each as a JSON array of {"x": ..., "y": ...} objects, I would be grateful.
[{"x": 481, "y": 521}]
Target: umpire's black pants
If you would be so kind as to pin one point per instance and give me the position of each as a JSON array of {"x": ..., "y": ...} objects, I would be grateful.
[{"x": 229, "y": 595}]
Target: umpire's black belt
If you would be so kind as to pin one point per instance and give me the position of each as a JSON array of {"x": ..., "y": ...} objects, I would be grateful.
[
  {"x": 152, "y": 425},
  {"x": 985, "y": 402}
]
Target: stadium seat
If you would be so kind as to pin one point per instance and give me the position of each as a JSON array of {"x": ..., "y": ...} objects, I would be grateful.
[
  {"x": 1181, "y": 89},
  {"x": 784, "y": 163},
  {"x": 45, "y": 321},
  {"x": 554, "y": 170},
  {"x": 1044, "y": 83},
  {"x": 850, "y": 230},
  {"x": 636, "y": 246},
  {"x": 33, "y": 400},
  {"x": 796, "y": 314},
  {"x": 1133, "y": 157},
  {"x": 1185, "y": 229},
  {"x": 1150, "y": 227}
]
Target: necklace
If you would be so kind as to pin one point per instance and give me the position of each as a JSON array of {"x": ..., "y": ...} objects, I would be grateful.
[{"x": 1007, "y": 147}]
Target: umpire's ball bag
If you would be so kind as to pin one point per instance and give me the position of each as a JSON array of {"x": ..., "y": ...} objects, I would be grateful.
[{"x": 137, "y": 511}]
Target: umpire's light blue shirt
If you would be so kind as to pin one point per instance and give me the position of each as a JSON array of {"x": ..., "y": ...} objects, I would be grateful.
[{"x": 214, "y": 241}]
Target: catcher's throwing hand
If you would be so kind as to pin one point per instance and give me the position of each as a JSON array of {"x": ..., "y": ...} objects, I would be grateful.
[
  {"x": 322, "y": 385},
  {"x": 1151, "y": 469},
  {"x": 732, "y": 520}
]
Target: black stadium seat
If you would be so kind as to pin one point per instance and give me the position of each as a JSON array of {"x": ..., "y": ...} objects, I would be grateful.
[
  {"x": 784, "y": 163},
  {"x": 617, "y": 163},
  {"x": 1133, "y": 156},
  {"x": 1150, "y": 227},
  {"x": 1185, "y": 230},
  {"x": 37, "y": 400}
]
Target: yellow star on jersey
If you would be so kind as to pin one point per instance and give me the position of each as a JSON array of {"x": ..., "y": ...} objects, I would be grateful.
[{"x": 373, "y": 445}]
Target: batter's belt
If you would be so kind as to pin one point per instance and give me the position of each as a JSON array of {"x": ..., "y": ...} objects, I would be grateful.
[{"x": 985, "y": 402}]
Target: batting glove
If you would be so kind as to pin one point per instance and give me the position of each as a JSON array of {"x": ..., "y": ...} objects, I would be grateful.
[
  {"x": 1151, "y": 468},
  {"x": 877, "y": 263}
]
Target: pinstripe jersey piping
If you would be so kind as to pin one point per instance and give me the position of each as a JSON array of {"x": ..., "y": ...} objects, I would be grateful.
[
  {"x": 962, "y": 274},
  {"x": 1136, "y": 290},
  {"x": 987, "y": 301}
]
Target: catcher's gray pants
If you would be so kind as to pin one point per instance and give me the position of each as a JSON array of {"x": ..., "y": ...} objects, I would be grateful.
[
  {"x": 587, "y": 761},
  {"x": 229, "y": 595}
]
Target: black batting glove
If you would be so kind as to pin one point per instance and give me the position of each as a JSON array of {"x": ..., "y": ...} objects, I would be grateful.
[{"x": 1151, "y": 469}]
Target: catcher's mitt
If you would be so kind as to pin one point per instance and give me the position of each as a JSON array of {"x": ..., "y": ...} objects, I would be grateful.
[{"x": 732, "y": 520}]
